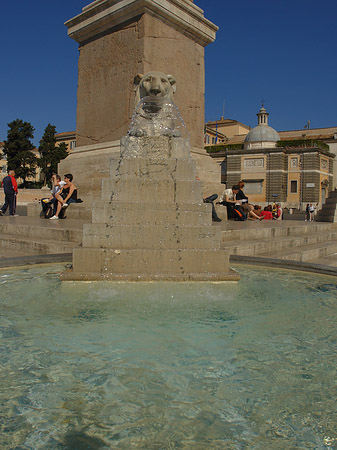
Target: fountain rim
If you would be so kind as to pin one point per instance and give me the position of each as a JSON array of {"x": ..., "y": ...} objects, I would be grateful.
[{"x": 270, "y": 263}]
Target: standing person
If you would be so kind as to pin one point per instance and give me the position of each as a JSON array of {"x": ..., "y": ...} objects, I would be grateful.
[
  {"x": 307, "y": 214},
  {"x": 279, "y": 212},
  {"x": 11, "y": 191},
  {"x": 67, "y": 195},
  {"x": 311, "y": 212}
]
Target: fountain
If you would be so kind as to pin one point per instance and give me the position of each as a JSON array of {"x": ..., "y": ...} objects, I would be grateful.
[
  {"x": 168, "y": 365},
  {"x": 151, "y": 222}
]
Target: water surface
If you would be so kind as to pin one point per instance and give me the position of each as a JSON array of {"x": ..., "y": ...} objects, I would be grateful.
[{"x": 248, "y": 365}]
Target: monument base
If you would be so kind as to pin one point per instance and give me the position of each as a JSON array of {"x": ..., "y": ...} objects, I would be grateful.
[
  {"x": 150, "y": 222},
  {"x": 90, "y": 164}
]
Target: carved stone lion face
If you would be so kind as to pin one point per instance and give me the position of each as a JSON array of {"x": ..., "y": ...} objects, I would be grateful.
[{"x": 154, "y": 84}]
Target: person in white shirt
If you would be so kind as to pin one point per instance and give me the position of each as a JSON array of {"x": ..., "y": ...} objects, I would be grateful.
[
  {"x": 228, "y": 198},
  {"x": 311, "y": 212}
]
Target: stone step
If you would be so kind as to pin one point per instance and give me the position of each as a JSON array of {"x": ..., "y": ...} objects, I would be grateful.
[
  {"x": 329, "y": 260},
  {"x": 81, "y": 211},
  {"x": 150, "y": 236},
  {"x": 33, "y": 246},
  {"x": 272, "y": 247},
  {"x": 152, "y": 214},
  {"x": 265, "y": 231},
  {"x": 114, "y": 264},
  {"x": 56, "y": 231},
  {"x": 330, "y": 201},
  {"x": 308, "y": 253},
  {"x": 327, "y": 218},
  {"x": 13, "y": 253},
  {"x": 147, "y": 191}
]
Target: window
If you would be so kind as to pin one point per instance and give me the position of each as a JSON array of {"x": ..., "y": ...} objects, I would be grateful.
[
  {"x": 72, "y": 145},
  {"x": 293, "y": 163},
  {"x": 293, "y": 187},
  {"x": 253, "y": 186}
]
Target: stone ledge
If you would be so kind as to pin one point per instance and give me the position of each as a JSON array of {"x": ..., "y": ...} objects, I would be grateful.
[
  {"x": 68, "y": 275},
  {"x": 284, "y": 264},
  {"x": 102, "y": 16}
]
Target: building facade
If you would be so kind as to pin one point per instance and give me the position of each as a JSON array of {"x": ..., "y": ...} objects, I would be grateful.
[{"x": 292, "y": 172}]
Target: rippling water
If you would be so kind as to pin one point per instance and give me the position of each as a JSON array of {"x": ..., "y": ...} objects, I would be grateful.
[{"x": 248, "y": 365}]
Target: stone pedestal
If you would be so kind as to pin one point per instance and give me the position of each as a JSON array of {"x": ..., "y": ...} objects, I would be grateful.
[
  {"x": 119, "y": 39},
  {"x": 150, "y": 222}
]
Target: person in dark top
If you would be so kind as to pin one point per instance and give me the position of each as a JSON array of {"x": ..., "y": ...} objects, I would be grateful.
[
  {"x": 11, "y": 191},
  {"x": 245, "y": 205},
  {"x": 66, "y": 196},
  {"x": 241, "y": 195}
]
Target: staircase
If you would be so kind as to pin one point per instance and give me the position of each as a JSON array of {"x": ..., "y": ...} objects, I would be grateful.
[
  {"x": 23, "y": 236},
  {"x": 328, "y": 213},
  {"x": 296, "y": 241}
]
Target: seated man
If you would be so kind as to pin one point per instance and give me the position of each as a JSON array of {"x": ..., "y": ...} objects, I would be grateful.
[
  {"x": 66, "y": 196},
  {"x": 229, "y": 199}
]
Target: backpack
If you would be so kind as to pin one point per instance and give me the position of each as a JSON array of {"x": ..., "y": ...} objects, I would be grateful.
[
  {"x": 47, "y": 210},
  {"x": 238, "y": 214}
]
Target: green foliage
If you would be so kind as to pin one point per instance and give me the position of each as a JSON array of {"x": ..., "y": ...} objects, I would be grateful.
[
  {"x": 31, "y": 185},
  {"x": 18, "y": 149},
  {"x": 223, "y": 147},
  {"x": 50, "y": 154},
  {"x": 300, "y": 143}
]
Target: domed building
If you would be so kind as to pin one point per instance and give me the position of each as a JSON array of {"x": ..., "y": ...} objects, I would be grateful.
[
  {"x": 291, "y": 172},
  {"x": 262, "y": 136}
]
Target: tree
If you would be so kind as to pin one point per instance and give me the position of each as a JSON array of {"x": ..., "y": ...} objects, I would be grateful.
[
  {"x": 50, "y": 154},
  {"x": 18, "y": 149}
]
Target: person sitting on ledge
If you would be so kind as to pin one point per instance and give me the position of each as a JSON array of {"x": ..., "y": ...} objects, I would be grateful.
[
  {"x": 211, "y": 199},
  {"x": 66, "y": 196},
  {"x": 267, "y": 212},
  {"x": 57, "y": 184},
  {"x": 257, "y": 212},
  {"x": 228, "y": 198},
  {"x": 247, "y": 208}
]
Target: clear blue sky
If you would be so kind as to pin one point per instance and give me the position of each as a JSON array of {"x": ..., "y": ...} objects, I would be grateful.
[{"x": 282, "y": 51}]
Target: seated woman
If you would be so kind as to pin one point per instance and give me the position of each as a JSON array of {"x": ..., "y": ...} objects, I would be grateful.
[
  {"x": 245, "y": 205},
  {"x": 66, "y": 196},
  {"x": 268, "y": 215},
  {"x": 255, "y": 213}
]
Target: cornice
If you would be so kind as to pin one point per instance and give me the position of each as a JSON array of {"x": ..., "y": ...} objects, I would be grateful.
[{"x": 103, "y": 15}]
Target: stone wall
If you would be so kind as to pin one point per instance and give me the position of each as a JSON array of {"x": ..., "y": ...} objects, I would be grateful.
[
  {"x": 109, "y": 60},
  {"x": 276, "y": 177}
]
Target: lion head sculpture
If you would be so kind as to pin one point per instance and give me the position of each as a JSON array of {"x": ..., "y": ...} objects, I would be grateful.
[
  {"x": 154, "y": 84},
  {"x": 155, "y": 113}
]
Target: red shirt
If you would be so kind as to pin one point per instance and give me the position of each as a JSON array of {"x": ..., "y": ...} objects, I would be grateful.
[{"x": 267, "y": 215}]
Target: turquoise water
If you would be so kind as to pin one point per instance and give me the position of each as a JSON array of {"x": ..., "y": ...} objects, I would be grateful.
[{"x": 248, "y": 365}]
